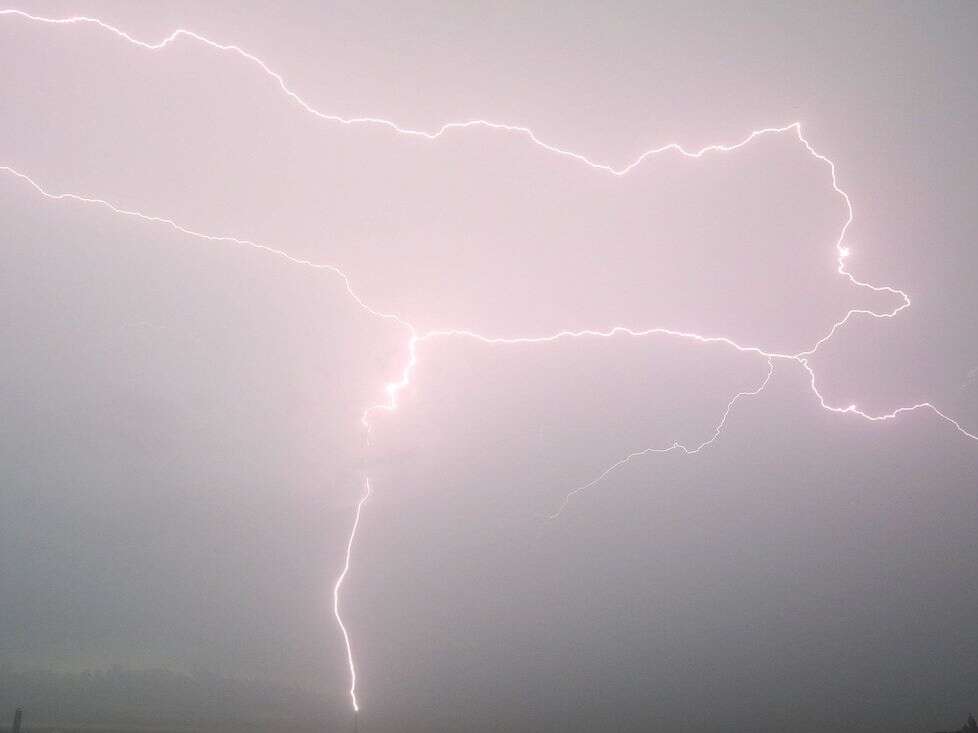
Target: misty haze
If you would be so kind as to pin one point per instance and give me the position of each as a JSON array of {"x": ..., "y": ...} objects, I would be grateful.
[{"x": 488, "y": 367}]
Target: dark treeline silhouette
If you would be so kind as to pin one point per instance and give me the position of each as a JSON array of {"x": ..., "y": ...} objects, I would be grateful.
[
  {"x": 970, "y": 727},
  {"x": 118, "y": 697},
  {"x": 163, "y": 701}
]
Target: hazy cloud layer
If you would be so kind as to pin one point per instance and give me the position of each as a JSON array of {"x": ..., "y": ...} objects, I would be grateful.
[{"x": 181, "y": 446}]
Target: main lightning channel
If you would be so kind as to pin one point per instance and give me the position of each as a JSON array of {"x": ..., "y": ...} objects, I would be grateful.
[
  {"x": 395, "y": 388},
  {"x": 367, "y": 491}
]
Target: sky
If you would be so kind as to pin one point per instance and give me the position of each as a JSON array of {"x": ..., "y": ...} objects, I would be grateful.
[{"x": 182, "y": 455}]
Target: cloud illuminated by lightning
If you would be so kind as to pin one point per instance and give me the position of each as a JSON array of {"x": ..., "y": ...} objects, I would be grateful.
[{"x": 393, "y": 389}]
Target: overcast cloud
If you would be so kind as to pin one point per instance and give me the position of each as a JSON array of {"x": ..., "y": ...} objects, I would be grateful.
[{"x": 180, "y": 446}]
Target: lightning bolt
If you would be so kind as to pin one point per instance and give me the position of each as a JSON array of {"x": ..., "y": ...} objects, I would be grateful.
[
  {"x": 393, "y": 389},
  {"x": 367, "y": 491}
]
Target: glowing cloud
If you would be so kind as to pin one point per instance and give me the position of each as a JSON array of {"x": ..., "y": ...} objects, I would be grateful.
[{"x": 394, "y": 389}]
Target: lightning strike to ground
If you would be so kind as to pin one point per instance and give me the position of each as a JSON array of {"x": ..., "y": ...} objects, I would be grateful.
[
  {"x": 367, "y": 491},
  {"x": 392, "y": 390}
]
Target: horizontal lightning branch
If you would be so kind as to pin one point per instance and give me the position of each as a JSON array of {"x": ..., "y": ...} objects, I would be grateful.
[
  {"x": 279, "y": 80},
  {"x": 393, "y": 389}
]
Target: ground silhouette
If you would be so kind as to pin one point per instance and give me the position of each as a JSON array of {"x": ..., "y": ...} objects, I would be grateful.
[{"x": 970, "y": 727}]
